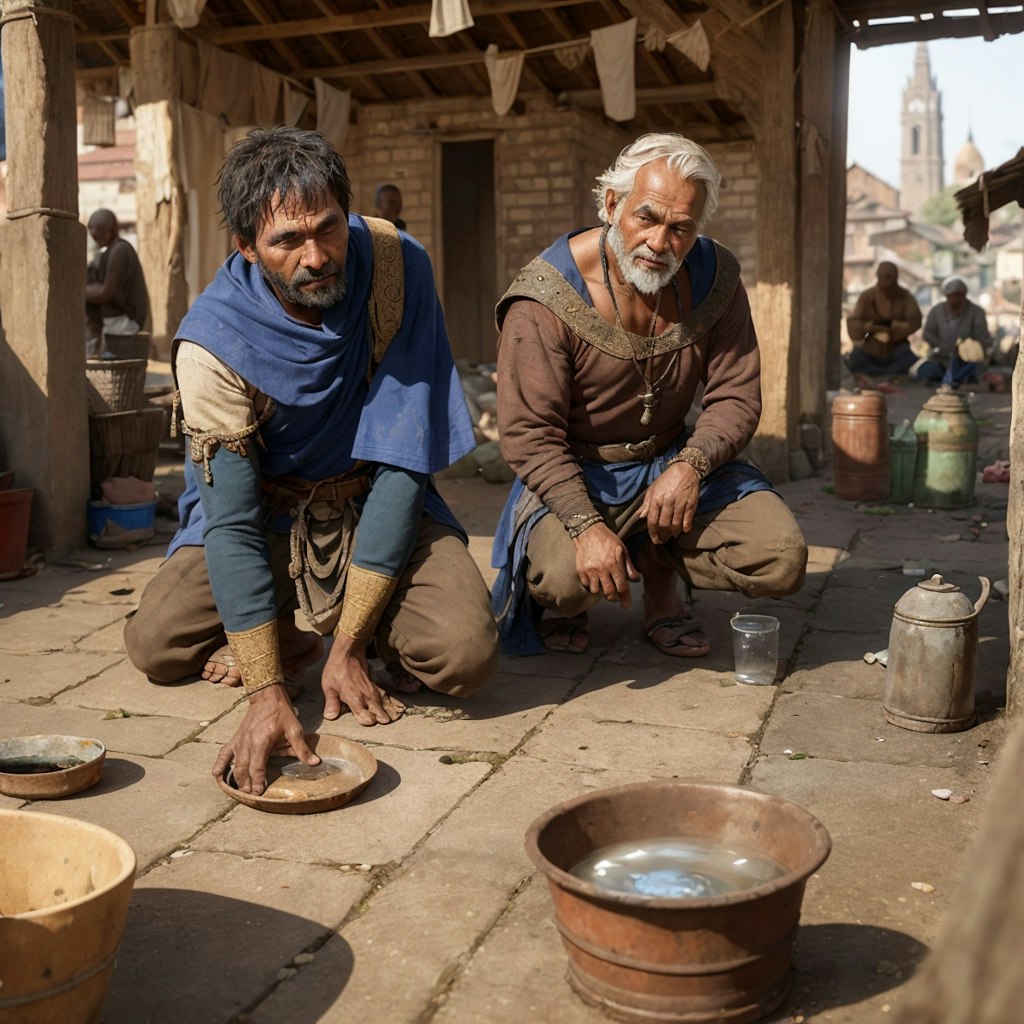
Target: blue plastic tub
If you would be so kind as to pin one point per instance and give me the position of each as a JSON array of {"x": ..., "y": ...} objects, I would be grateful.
[{"x": 135, "y": 519}]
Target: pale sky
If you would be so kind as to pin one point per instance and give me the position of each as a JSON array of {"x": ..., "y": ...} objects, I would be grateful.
[{"x": 982, "y": 86}]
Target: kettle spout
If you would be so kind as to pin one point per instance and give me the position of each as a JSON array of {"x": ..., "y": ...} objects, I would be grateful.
[{"x": 986, "y": 586}]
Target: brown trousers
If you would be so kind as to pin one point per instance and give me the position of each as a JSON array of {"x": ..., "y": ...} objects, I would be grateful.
[
  {"x": 438, "y": 624},
  {"x": 753, "y": 545}
]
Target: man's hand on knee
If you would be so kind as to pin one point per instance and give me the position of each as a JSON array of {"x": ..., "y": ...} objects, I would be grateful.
[
  {"x": 604, "y": 566},
  {"x": 671, "y": 502},
  {"x": 269, "y": 720},
  {"x": 346, "y": 681}
]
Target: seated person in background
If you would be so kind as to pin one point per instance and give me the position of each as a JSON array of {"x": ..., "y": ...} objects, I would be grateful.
[
  {"x": 884, "y": 317},
  {"x": 605, "y": 339},
  {"x": 117, "y": 301},
  {"x": 388, "y": 199},
  {"x": 958, "y": 333}
]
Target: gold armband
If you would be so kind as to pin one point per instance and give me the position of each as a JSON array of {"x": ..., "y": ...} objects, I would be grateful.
[
  {"x": 258, "y": 653},
  {"x": 366, "y": 594},
  {"x": 692, "y": 457}
]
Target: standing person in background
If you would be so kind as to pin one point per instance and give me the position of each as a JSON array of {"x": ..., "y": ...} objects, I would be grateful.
[
  {"x": 958, "y": 333},
  {"x": 388, "y": 200},
  {"x": 117, "y": 300},
  {"x": 882, "y": 321}
]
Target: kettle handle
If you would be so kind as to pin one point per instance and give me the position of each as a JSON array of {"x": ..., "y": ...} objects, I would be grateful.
[{"x": 986, "y": 586}]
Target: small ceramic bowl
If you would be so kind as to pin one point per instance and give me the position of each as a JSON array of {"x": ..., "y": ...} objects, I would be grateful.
[
  {"x": 294, "y": 788},
  {"x": 49, "y": 767}
]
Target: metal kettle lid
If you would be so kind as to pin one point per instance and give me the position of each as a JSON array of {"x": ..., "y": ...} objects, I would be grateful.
[
  {"x": 946, "y": 400},
  {"x": 934, "y": 600}
]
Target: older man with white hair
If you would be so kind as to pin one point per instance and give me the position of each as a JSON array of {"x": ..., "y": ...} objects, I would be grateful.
[
  {"x": 958, "y": 333},
  {"x": 605, "y": 339}
]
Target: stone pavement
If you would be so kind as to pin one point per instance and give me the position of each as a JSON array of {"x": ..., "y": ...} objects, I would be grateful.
[{"x": 417, "y": 903}]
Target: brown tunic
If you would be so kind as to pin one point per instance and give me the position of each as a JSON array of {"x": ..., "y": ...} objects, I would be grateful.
[{"x": 566, "y": 375}]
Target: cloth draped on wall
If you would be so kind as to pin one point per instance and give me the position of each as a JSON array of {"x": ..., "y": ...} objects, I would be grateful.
[
  {"x": 185, "y": 13},
  {"x": 448, "y": 17},
  {"x": 98, "y": 120},
  {"x": 201, "y": 147},
  {"x": 294, "y": 102},
  {"x": 504, "y": 73},
  {"x": 615, "y": 55},
  {"x": 332, "y": 113},
  {"x": 153, "y": 129},
  {"x": 240, "y": 90}
]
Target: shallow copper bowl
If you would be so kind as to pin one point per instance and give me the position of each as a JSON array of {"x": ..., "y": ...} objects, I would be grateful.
[
  {"x": 302, "y": 797},
  {"x": 49, "y": 785}
]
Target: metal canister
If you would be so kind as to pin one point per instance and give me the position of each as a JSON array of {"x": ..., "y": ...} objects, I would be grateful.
[
  {"x": 860, "y": 446},
  {"x": 947, "y": 452},
  {"x": 902, "y": 460}
]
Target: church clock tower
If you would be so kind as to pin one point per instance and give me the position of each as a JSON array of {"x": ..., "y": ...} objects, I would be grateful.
[{"x": 921, "y": 157}]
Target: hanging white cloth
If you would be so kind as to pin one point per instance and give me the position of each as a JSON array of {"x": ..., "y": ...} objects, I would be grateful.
[
  {"x": 226, "y": 84},
  {"x": 693, "y": 44},
  {"x": 153, "y": 133},
  {"x": 504, "y": 73},
  {"x": 448, "y": 17},
  {"x": 332, "y": 110},
  {"x": 615, "y": 55},
  {"x": 294, "y": 102},
  {"x": 266, "y": 95},
  {"x": 185, "y": 13}
]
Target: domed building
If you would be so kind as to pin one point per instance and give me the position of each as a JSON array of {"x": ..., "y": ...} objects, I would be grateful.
[{"x": 968, "y": 163}]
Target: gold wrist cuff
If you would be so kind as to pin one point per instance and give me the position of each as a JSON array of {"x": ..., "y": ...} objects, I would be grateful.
[
  {"x": 693, "y": 457},
  {"x": 366, "y": 594},
  {"x": 258, "y": 653}
]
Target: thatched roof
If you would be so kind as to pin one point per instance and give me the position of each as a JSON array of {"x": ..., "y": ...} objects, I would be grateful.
[{"x": 382, "y": 52}]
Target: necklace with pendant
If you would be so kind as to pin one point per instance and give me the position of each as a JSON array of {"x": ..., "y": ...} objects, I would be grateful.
[{"x": 649, "y": 398}]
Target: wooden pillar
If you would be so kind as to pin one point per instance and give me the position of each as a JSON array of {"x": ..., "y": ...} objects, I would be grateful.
[
  {"x": 776, "y": 307},
  {"x": 816, "y": 128},
  {"x": 159, "y": 199},
  {"x": 1015, "y": 531},
  {"x": 43, "y": 419},
  {"x": 837, "y": 209}
]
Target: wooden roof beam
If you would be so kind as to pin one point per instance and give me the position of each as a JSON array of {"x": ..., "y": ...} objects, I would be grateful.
[
  {"x": 937, "y": 28},
  {"x": 418, "y": 15},
  {"x": 339, "y": 54},
  {"x": 520, "y": 40}
]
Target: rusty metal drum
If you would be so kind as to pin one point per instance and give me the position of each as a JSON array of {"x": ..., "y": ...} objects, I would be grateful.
[
  {"x": 722, "y": 958},
  {"x": 860, "y": 446},
  {"x": 947, "y": 452}
]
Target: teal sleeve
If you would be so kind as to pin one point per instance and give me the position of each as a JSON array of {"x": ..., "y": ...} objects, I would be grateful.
[
  {"x": 237, "y": 556},
  {"x": 390, "y": 520}
]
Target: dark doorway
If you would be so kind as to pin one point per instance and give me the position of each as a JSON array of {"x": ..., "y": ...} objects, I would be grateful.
[{"x": 468, "y": 241}]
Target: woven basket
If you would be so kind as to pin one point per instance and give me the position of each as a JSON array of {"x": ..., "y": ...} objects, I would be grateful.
[
  {"x": 127, "y": 346},
  {"x": 125, "y": 444},
  {"x": 115, "y": 385}
]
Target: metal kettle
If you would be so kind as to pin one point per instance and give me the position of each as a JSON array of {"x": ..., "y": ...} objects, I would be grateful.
[{"x": 933, "y": 652}]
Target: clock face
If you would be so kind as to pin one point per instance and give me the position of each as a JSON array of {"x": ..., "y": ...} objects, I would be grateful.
[{"x": 916, "y": 105}]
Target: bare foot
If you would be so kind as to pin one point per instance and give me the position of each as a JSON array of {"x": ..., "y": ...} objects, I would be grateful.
[
  {"x": 668, "y": 623},
  {"x": 569, "y": 635}
]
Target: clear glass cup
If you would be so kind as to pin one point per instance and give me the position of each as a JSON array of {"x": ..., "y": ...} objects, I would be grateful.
[{"x": 755, "y": 644}]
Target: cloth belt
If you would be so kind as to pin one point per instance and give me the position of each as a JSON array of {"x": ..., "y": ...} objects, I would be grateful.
[
  {"x": 641, "y": 451},
  {"x": 287, "y": 491}
]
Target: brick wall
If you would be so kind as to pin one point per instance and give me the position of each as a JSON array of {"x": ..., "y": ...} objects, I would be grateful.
[{"x": 735, "y": 222}]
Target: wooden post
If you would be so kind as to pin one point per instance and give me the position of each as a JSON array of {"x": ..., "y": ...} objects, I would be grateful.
[
  {"x": 1015, "y": 530},
  {"x": 43, "y": 420},
  {"x": 837, "y": 210},
  {"x": 160, "y": 202},
  {"x": 816, "y": 128},
  {"x": 777, "y": 270}
]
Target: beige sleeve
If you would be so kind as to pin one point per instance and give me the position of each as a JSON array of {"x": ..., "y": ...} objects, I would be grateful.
[{"x": 214, "y": 399}]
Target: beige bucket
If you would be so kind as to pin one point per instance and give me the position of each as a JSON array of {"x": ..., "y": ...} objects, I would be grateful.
[{"x": 64, "y": 892}]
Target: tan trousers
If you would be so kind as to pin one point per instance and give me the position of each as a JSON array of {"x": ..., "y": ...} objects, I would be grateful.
[
  {"x": 753, "y": 545},
  {"x": 438, "y": 624}
]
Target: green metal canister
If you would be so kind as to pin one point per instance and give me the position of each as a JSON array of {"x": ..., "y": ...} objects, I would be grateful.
[
  {"x": 902, "y": 459},
  {"x": 947, "y": 455}
]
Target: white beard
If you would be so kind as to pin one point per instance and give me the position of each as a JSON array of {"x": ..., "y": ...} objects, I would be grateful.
[{"x": 648, "y": 282}]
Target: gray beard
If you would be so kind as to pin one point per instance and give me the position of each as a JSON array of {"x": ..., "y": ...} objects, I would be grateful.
[
  {"x": 322, "y": 298},
  {"x": 648, "y": 282}
]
